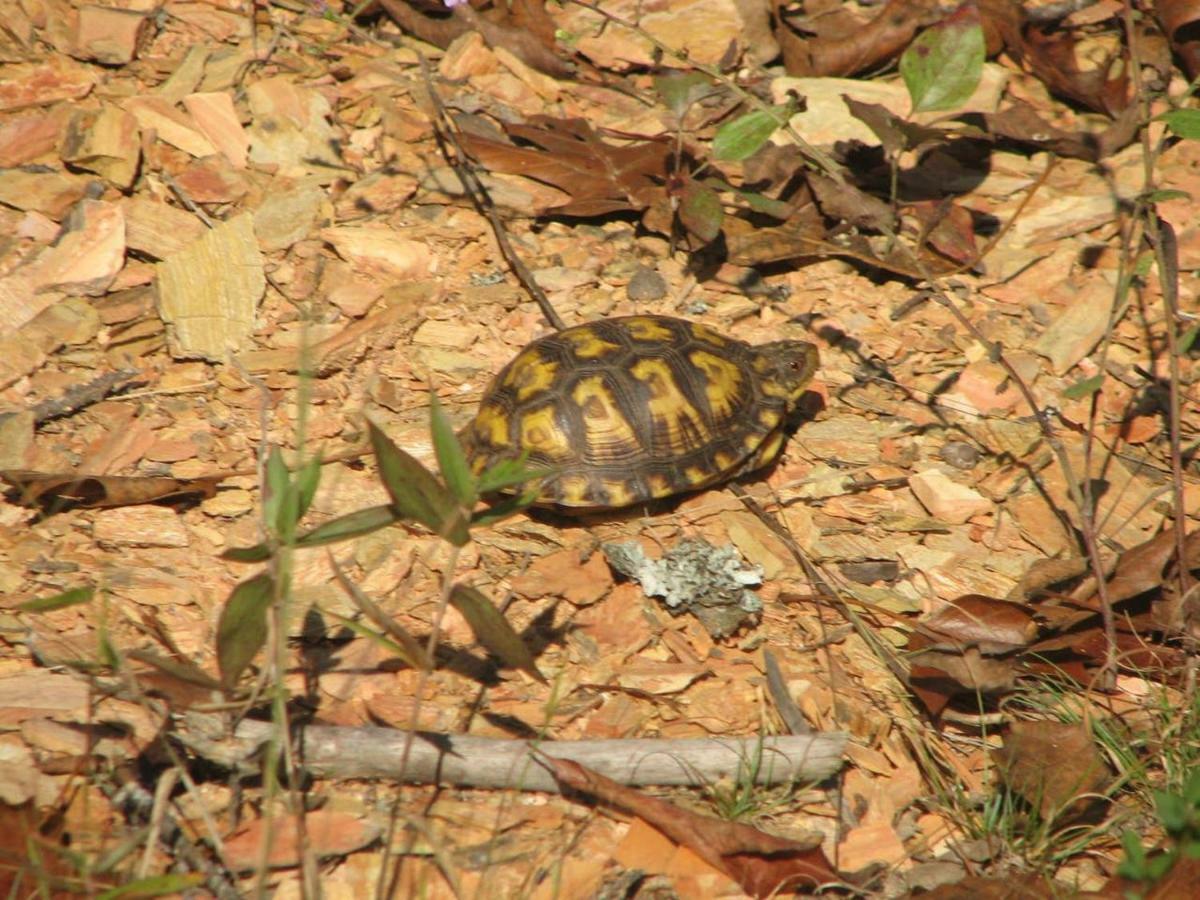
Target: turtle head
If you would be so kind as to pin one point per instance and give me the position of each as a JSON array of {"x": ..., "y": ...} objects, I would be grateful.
[{"x": 788, "y": 366}]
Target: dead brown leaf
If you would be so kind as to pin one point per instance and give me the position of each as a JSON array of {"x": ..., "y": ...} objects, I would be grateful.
[
  {"x": 761, "y": 863},
  {"x": 971, "y": 646},
  {"x": 1051, "y": 56},
  {"x": 840, "y": 43},
  {"x": 1180, "y": 20},
  {"x": 949, "y": 229},
  {"x": 568, "y": 154},
  {"x": 1050, "y": 764},
  {"x": 1021, "y": 122},
  {"x": 995, "y": 626},
  {"x": 57, "y": 491}
]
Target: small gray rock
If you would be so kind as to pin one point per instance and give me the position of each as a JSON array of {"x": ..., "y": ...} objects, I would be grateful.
[
  {"x": 646, "y": 284},
  {"x": 959, "y": 454}
]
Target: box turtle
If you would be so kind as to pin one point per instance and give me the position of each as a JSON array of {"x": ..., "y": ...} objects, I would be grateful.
[{"x": 635, "y": 408}]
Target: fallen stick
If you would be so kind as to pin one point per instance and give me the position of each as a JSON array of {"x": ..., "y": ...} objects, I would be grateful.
[{"x": 467, "y": 761}]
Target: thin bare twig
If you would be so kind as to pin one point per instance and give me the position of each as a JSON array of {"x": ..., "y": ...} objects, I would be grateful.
[
  {"x": 446, "y": 133},
  {"x": 81, "y": 396}
]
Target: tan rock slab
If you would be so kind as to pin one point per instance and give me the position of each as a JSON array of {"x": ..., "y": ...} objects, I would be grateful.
[
  {"x": 215, "y": 116},
  {"x": 208, "y": 293},
  {"x": 175, "y": 127},
  {"x": 50, "y": 193},
  {"x": 159, "y": 229},
  {"x": 445, "y": 334},
  {"x": 104, "y": 141},
  {"x": 89, "y": 254},
  {"x": 27, "y": 137},
  {"x": 288, "y": 213},
  {"x": 947, "y": 500},
  {"x": 109, "y": 36},
  {"x": 45, "y": 83},
  {"x": 380, "y": 252},
  {"x": 18, "y": 774},
  {"x": 1080, "y": 326},
  {"x": 139, "y": 526}
]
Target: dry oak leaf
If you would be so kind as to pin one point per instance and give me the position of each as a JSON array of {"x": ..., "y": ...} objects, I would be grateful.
[
  {"x": 1181, "y": 21},
  {"x": 840, "y": 43},
  {"x": 1050, "y": 764},
  {"x": 568, "y": 154},
  {"x": 49, "y": 489},
  {"x": 763, "y": 864},
  {"x": 1051, "y": 56}
]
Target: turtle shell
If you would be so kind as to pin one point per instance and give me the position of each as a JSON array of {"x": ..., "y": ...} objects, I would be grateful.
[{"x": 631, "y": 409}]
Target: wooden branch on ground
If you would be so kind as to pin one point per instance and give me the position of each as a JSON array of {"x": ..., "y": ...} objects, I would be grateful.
[{"x": 467, "y": 761}]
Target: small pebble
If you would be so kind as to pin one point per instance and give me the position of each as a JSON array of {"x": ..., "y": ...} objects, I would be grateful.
[
  {"x": 646, "y": 284},
  {"x": 960, "y": 454}
]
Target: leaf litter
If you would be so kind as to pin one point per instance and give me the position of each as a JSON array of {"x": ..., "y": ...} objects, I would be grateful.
[{"x": 382, "y": 285}]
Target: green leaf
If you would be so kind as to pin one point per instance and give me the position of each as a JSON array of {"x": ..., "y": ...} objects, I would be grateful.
[
  {"x": 492, "y": 630},
  {"x": 942, "y": 66},
  {"x": 700, "y": 212},
  {"x": 743, "y": 136},
  {"x": 351, "y": 525},
  {"x": 277, "y": 490},
  {"x": 502, "y": 509},
  {"x": 257, "y": 553},
  {"x": 1172, "y": 812},
  {"x": 1143, "y": 264},
  {"x": 1166, "y": 194},
  {"x": 1133, "y": 866},
  {"x": 510, "y": 472},
  {"x": 1084, "y": 388},
  {"x": 72, "y": 597},
  {"x": 307, "y": 481},
  {"x": 179, "y": 669},
  {"x": 679, "y": 90},
  {"x": 1185, "y": 341},
  {"x": 380, "y": 640},
  {"x": 452, "y": 461},
  {"x": 242, "y": 627},
  {"x": 1184, "y": 123},
  {"x": 154, "y": 886},
  {"x": 402, "y": 644},
  {"x": 759, "y": 203},
  {"x": 415, "y": 493}
]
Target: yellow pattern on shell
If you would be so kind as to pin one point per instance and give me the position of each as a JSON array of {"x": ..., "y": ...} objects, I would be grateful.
[
  {"x": 667, "y": 407},
  {"x": 605, "y": 428},
  {"x": 723, "y": 385},
  {"x": 659, "y": 486},
  {"x": 706, "y": 335},
  {"x": 618, "y": 492},
  {"x": 540, "y": 434},
  {"x": 529, "y": 374},
  {"x": 573, "y": 490},
  {"x": 769, "y": 417},
  {"x": 725, "y": 461},
  {"x": 766, "y": 452},
  {"x": 586, "y": 343},
  {"x": 645, "y": 328},
  {"x": 491, "y": 425}
]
